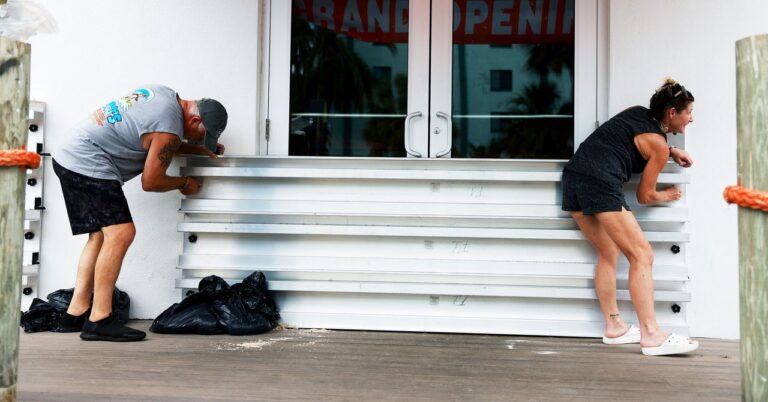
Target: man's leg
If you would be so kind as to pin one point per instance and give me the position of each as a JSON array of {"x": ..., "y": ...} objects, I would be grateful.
[
  {"x": 102, "y": 325},
  {"x": 116, "y": 240},
  {"x": 81, "y": 298}
]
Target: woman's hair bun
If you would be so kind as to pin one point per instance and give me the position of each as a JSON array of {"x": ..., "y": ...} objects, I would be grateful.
[
  {"x": 668, "y": 82},
  {"x": 668, "y": 95}
]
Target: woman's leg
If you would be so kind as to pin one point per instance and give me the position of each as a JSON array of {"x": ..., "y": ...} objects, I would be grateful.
[
  {"x": 623, "y": 229},
  {"x": 605, "y": 272}
]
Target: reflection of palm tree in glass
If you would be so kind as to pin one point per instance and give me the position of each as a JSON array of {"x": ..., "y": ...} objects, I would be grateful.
[
  {"x": 543, "y": 138},
  {"x": 326, "y": 76},
  {"x": 385, "y": 136},
  {"x": 546, "y": 58}
]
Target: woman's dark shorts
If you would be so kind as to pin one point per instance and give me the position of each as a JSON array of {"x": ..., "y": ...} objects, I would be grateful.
[
  {"x": 92, "y": 203},
  {"x": 590, "y": 195}
]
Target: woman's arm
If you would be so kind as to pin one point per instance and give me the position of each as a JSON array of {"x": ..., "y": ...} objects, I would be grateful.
[
  {"x": 680, "y": 157},
  {"x": 654, "y": 148}
]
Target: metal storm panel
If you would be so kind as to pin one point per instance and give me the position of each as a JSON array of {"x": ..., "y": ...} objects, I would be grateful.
[{"x": 410, "y": 244}]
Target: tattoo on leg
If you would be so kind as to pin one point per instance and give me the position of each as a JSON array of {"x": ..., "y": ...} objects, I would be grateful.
[{"x": 615, "y": 316}]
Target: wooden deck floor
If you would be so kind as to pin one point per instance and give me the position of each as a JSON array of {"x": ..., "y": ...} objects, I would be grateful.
[{"x": 320, "y": 365}]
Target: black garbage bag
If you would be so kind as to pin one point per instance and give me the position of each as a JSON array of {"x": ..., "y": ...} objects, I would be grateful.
[
  {"x": 243, "y": 309},
  {"x": 45, "y": 315},
  {"x": 261, "y": 301},
  {"x": 194, "y": 315},
  {"x": 41, "y": 316},
  {"x": 210, "y": 285},
  {"x": 247, "y": 309},
  {"x": 121, "y": 303}
]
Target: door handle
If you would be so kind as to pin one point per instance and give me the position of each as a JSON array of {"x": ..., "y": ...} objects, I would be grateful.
[
  {"x": 449, "y": 134},
  {"x": 408, "y": 148}
]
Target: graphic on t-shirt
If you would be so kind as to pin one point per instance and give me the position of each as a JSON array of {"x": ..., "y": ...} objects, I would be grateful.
[{"x": 111, "y": 112}]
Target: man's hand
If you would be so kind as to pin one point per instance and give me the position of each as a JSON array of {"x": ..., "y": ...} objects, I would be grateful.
[
  {"x": 194, "y": 149},
  {"x": 191, "y": 186},
  {"x": 681, "y": 157},
  {"x": 214, "y": 155}
]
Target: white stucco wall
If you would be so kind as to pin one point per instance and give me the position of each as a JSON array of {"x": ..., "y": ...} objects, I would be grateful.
[
  {"x": 693, "y": 41},
  {"x": 105, "y": 49}
]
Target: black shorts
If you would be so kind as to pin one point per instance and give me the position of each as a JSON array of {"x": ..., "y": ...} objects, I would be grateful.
[
  {"x": 92, "y": 203},
  {"x": 591, "y": 195}
]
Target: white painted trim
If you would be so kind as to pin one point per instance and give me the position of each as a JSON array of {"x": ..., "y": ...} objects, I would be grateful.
[
  {"x": 418, "y": 75},
  {"x": 603, "y": 63},
  {"x": 30, "y": 270},
  {"x": 263, "y": 82},
  {"x": 279, "y": 76},
  {"x": 441, "y": 75},
  {"x": 585, "y": 76},
  {"x": 32, "y": 215}
]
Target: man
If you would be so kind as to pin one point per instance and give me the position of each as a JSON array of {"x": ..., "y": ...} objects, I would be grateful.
[{"x": 138, "y": 132}]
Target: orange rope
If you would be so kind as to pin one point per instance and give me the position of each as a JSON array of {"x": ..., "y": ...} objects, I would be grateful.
[
  {"x": 746, "y": 197},
  {"x": 20, "y": 157}
]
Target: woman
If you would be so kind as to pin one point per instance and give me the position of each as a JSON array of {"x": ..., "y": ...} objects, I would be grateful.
[{"x": 633, "y": 141}]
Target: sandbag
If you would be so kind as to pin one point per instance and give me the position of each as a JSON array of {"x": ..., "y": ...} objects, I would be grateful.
[
  {"x": 121, "y": 303},
  {"x": 243, "y": 309},
  {"x": 45, "y": 315}
]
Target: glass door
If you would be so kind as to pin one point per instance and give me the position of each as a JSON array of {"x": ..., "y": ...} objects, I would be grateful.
[
  {"x": 438, "y": 79},
  {"x": 352, "y": 77},
  {"x": 503, "y": 77}
]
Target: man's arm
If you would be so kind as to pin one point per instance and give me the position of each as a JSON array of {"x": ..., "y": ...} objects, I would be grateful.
[
  {"x": 160, "y": 150},
  {"x": 192, "y": 149}
]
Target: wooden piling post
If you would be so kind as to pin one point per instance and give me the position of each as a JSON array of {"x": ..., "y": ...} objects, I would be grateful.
[
  {"x": 14, "y": 110},
  {"x": 752, "y": 127}
]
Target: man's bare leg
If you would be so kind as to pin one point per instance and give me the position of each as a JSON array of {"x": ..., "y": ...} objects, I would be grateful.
[
  {"x": 81, "y": 298},
  {"x": 117, "y": 239}
]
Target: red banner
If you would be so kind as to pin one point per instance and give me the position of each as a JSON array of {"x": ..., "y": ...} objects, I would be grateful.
[{"x": 494, "y": 22}]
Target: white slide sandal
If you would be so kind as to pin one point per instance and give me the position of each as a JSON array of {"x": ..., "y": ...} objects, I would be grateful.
[
  {"x": 674, "y": 344},
  {"x": 631, "y": 336}
]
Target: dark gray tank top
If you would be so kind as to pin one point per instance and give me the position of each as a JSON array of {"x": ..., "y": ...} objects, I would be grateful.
[{"x": 609, "y": 153}]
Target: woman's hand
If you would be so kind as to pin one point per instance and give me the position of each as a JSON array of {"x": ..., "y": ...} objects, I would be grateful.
[
  {"x": 681, "y": 157},
  {"x": 670, "y": 193}
]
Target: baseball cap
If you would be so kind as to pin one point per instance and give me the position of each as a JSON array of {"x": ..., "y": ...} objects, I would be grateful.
[{"x": 214, "y": 117}]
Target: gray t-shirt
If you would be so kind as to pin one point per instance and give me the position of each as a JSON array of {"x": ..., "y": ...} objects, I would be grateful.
[{"x": 108, "y": 144}]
